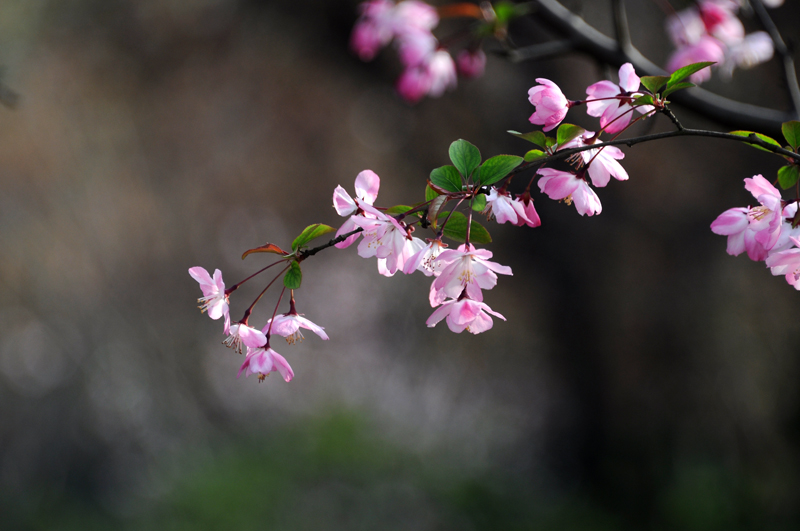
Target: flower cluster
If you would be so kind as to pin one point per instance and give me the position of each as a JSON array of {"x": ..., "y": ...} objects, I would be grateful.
[
  {"x": 260, "y": 358},
  {"x": 710, "y": 31},
  {"x": 765, "y": 232},
  {"x": 428, "y": 67}
]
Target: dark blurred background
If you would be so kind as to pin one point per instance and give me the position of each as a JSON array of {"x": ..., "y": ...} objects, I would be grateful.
[{"x": 644, "y": 378}]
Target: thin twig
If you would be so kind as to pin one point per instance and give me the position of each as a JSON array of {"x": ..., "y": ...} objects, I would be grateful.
[{"x": 780, "y": 47}]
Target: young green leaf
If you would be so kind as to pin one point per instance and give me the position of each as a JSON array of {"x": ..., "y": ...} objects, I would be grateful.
[
  {"x": 567, "y": 132},
  {"x": 676, "y": 86},
  {"x": 465, "y": 157},
  {"x": 654, "y": 83},
  {"x": 788, "y": 176},
  {"x": 430, "y": 193},
  {"x": 309, "y": 233},
  {"x": 765, "y": 138},
  {"x": 534, "y": 154},
  {"x": 534, "y": 137},
  {"x": 791, "y": 132},
  {"x": 497, "y": 167},
  {"x": 686, "y": 71},
  {"x": 456, "y": 229},
  {"x": 447, "y": 178},
  {"x": 479, "y": 203},
  {"x": 293, "y": 277}
]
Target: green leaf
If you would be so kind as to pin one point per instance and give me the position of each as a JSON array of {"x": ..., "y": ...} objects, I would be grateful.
[
  {"x": 654, "y": 83},
  {"x": 765, "y": 138},
  {"x": 397, "y": 209},
  {"x": 677, "y": 86},
  {"x": 465, "y": 157},
  {"x": 430, "y": 193},
  {"x": 447, "y": 178},
  {"x": 534, "y": 154},
  {"x": 791, "y": 132},
  {"x": 497, "y": 167},
  {"x": 479, "y": 203},
  {"x": 456, "y": 229},
  {"x": 788, "y": 176},
  {"x": 309, "y": 233},
  {"x": 293, "y": 277},
  {"x": 550, "y": 142},
  {"x": 567, "y": 132},
  {"x": 647, "y": 99},
  {"x": 686, "y": 71},
  {"x": 534, "y": 137}
]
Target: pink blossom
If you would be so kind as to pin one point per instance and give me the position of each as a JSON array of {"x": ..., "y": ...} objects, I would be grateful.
[
  {"x": 471, "y": 63},
  {"x": 707, "y": 48},
  {"x": 262, "y": 361},
  {"x": 416, "y": 47},
  {"x": 464, "y": 314},
  {"x": 241, "y": 334},
  {"x": 602, "y": 162},
  {"x": 787, "y": 263},
  {"x": 551, "y": 104},
  {"x": 467, "y": 269},
  {"x": 425, "y": 259},
  {"x": 374, "y": 29},
  {"x": 766, "y": 219},
  {"x": 735, "y": 224},
  {"x": 289, "y": 324},
  {"x": 564, "y": 185},
  {"x": 612, "y": 103},
  {"x": 753, "y": 50},
  {"x": 367, "y": 185},
  {"x": 384, "y": 238},
  {"x": 531, "y": 216},
  {"x": 432, "y": 76},
  {"x": 504, "y": 209},
  {"x": 719, "y": 18},
  {"x": 214, "y": 299}
]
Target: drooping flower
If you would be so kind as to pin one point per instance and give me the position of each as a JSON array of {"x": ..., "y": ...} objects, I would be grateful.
[
  {"x": 787, "y": 263},
  {"x": 530, "y": 211},
  {"x": 602, "y": 163},
  {"x": 384, "y": 237},
  {"x": 425, "y": 259},
  {"x": 466, "y": 269},
  {"x": 504, "y": 209},
  {"x": 392, "y": 264},
  {"x": 564, "y": 185},
  {"x": 240, "y": 334},
  {"x": 262, "y": 361},
  {"x": 465, "y": 314},
  {"x": 766, "y": 219},
  {"x": 551, "y": 104},
  {"x": 214, "y": 300},
  {"x": 288, "y": 325},
  {"x": 613, "y": 103}
]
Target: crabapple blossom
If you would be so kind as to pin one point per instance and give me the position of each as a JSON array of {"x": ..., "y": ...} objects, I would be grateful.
[
  {"x": 754, "y": 49},
  {"x": 504, "y": 209},
  {"x": 564, "y": 185},
  {"x": 367, "y": 185},
  {"x": 471, "y": 63},
  {"x": 214, "y": 299},
  {"x": 382, "y": 20},
  {"x": 289, "y": 324},
  {"x": 612, "y": 103},
  {"x": 551, "y": 104},
  {"x": 425, "y": 259},
  {"x": 601, "y": 163},
  {"x": 262, "y": 361},
  {"x": 464, "y": 314},
  {"x": 465, "y": 270},
  {"x": 384, "y": 238},
  {"x": 787, "y": 263},
  {"x": 529, "y": 210},
  {"x": 241, "y": 334},
  {"x": 766, "y": 219},
  {"x": 434, "y": 74},
  {"x": 706, "y": 48}
]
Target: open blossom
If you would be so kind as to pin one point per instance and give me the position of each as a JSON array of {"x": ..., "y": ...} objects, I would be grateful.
[
  {"x": 262, "y": 361},
  {"x": 425, "y": 259},
  {"x": 392, "y": 264},
  {"x": 465, "y": 269},
  {"x": 240, "y": 334},
  {"x": 504, "y": 209},
  {"x": 465, "y": 314},
  {"x": 766, "y": 219},
  {"x": 564, "y": 185},
  {"x": 787, "y": 263},
  {"x": 214, "y": 300},
  {"x": 288, "y": 325},
  {"x": 432, "y": 76},
  {"x": 551, "y": 104},
  {"x": 384, "y": 238},
  {"x": 612, "y": 102},
  {"x": 602, "y": 162},
  {"x": 367, "y": 185},
  {"x": 383, "y": 20}
]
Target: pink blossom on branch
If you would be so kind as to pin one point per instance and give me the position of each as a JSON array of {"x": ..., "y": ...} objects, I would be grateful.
[
  {"x": 612, "y": 103},
  {"x": 471, "y": 63},
  {"x": 562, "y": 185},
  {"x": 551, "y": 104},
  {"x": 707, "y": 48},
  {"x": 466, "y": 269},
  {"x": 262, "y": 361},
  {"x": 465, "y": 314},
  {"x": 787, "y": 263},
  {"x": 214, "y": 300},
  {"x": 435, "y": 74},
  {"x": 367, "y": 185},
  {"x": 288, "y": 325},
  {"x": 240, "y": 334},
  {"x": 504, "y": 209},
  {"x": 383, "y": 20},
  {"x": 602, "y": 163}
]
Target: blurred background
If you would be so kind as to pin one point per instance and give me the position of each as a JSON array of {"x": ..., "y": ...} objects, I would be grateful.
[{"x": 644, "y": 378}]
